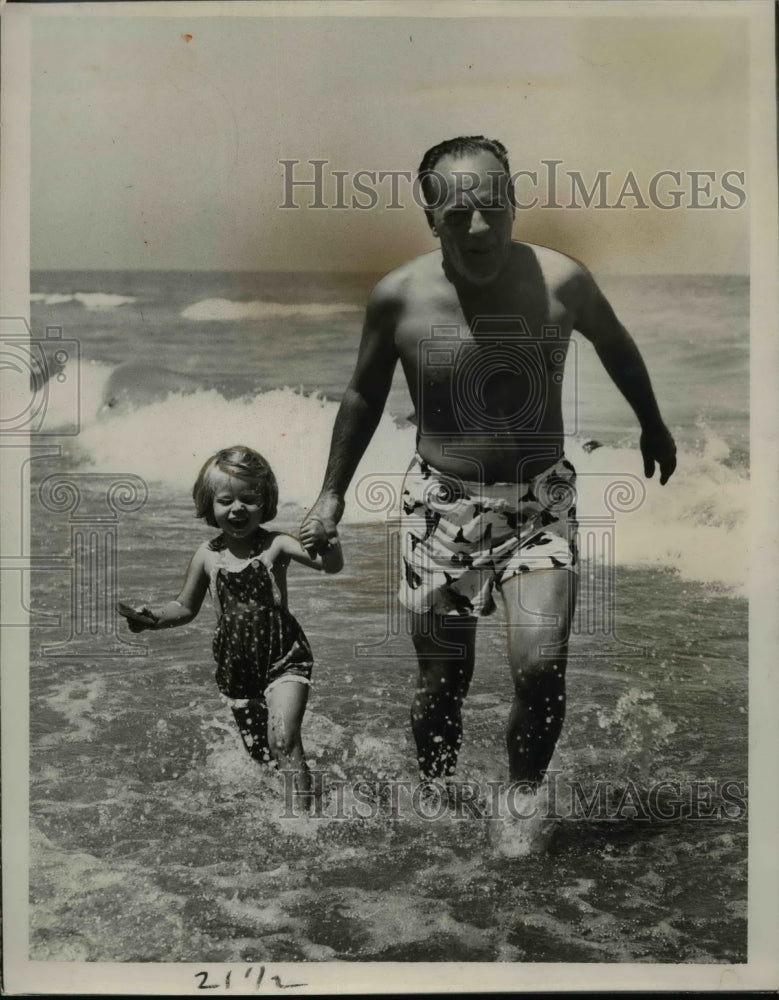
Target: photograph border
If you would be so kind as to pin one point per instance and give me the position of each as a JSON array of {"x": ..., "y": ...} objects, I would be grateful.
[{"x": 762, "y": 968}]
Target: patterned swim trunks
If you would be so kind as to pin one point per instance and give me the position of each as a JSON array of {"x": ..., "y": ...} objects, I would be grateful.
[{"x": 461, "y": 540}]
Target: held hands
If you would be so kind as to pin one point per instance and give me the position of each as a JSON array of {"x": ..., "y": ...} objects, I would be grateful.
[
  {"x": 657, "y": 445},
  {"x": 137, "y": 619},
  {"x": 318, "y": 529}
]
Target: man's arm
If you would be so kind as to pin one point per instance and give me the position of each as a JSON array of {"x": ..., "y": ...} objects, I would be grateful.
[
  {"x": 358, "y": 416},
  {"x": 595, "y": 319}
]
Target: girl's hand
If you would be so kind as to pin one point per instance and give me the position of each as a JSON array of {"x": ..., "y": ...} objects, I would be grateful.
[
  {"x": 137, "y": 620},
  {"x": 329, "y": 558},
  {"x": 332, "y": 557}
]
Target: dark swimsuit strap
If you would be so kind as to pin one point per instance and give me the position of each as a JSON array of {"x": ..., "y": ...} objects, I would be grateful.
[{"x": 219, "y": 544}]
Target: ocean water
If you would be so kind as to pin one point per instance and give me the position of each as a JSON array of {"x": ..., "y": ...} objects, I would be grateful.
[{"x": 155, "y": 838}]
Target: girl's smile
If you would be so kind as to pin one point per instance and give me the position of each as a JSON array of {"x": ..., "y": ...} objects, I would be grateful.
[{"x": 238, "y": 506}]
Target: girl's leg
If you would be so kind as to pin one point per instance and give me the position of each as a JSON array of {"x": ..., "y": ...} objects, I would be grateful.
[
  {"x": 252, "y": 721},
  {"x": 286, "y": 706}
]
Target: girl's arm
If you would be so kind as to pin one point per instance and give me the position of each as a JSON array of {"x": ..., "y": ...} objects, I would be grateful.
[
  {"x": 186, "y": 605},
  {"x": 331, "y": 560}
]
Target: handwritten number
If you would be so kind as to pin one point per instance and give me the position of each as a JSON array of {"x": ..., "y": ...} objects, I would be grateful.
[{"x": 204, "y": 983}]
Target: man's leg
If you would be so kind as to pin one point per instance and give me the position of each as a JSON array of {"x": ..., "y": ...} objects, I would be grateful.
[
  {"x": 445, "y": 650},
  {"x": 538, "y": 708}
]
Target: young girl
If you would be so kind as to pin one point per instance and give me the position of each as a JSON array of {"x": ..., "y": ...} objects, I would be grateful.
[{"x": 263, "y": 658}]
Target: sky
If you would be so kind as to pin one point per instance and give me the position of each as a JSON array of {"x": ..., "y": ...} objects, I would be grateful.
[{"x": 157, "y": 141}]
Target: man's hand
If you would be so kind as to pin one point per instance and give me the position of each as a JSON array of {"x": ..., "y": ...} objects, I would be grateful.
[
  {"x": 319, "y": 527},
  {"x": 657, "y": 445}
]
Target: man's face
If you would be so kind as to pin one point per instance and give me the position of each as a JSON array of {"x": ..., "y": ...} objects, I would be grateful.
[{"x": 473, "y": 215}]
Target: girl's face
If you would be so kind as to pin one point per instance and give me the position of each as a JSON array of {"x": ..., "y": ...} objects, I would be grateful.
[{"x": 237, "y": 506}]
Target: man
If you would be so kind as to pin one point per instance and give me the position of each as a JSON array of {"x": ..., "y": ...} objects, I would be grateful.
[{"x": 481, "y": 328}]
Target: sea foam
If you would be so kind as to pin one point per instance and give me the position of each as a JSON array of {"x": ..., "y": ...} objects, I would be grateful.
[
  {"x": 695, "y": 525},
  {"x": 227, "y": 310},
  {"x": 89, "y": 300}
]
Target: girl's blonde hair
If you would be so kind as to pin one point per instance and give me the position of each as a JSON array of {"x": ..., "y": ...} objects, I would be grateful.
[{"x": 244, "y": 463}]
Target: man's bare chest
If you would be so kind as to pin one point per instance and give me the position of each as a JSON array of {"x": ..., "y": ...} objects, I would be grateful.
[{"x": 506, "y": 347}]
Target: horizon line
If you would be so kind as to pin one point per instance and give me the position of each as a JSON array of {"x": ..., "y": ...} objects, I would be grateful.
[{"x": 344, "y": 271}]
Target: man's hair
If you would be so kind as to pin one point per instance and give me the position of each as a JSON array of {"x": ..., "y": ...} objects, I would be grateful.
[
  {"x": 243, "y": 463},
  {"x": 461, "y": 145}
]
